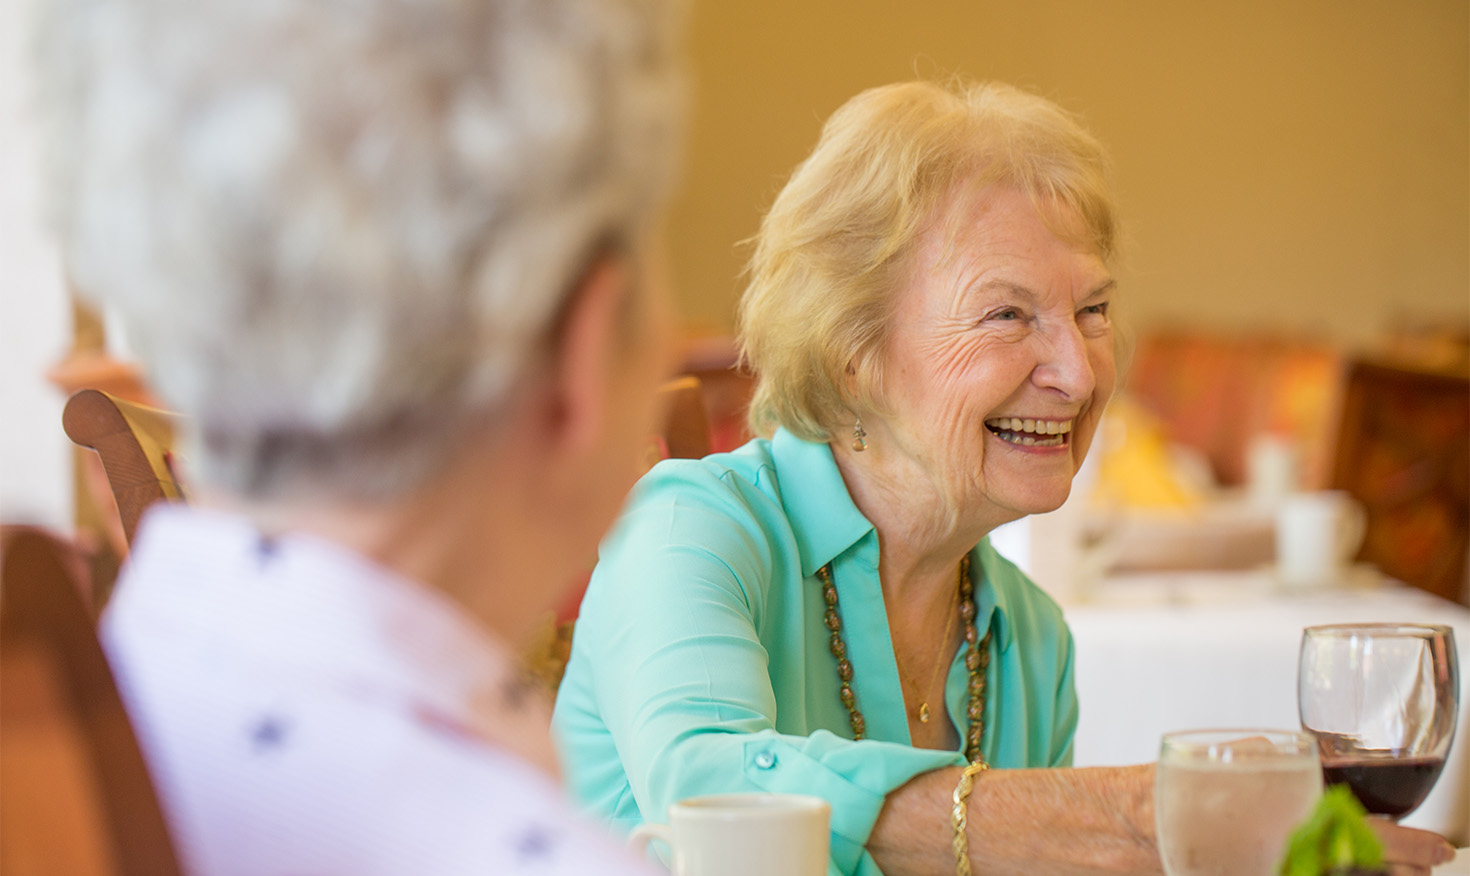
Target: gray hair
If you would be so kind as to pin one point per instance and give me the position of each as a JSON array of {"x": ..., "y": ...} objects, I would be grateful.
[{"x": 336, "y": 230}]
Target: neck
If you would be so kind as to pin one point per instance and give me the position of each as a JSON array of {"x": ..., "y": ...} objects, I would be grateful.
[
  {"x": 923, "y": 529},
  {"x": 920, "y": 541},
  {"x": 480, "y": 546}
]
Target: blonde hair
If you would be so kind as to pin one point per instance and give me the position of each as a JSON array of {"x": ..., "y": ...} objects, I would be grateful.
[{"x": 835, "y": 244}]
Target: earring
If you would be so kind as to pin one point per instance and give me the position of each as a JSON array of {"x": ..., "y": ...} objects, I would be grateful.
[{"x": 859, "y": 437}]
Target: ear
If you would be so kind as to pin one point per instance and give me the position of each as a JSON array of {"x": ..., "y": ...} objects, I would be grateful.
[{"x": 587, "y": 348}]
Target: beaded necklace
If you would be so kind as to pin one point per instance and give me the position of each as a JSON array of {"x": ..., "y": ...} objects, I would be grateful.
[{"x": 977, "y": 659}]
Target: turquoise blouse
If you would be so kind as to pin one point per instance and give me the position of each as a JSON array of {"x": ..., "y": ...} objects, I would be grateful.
[{"x": 700, "y": 663}]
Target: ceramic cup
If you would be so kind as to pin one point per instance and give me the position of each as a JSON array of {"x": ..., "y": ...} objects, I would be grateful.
[
  {"x": 1317, "y": 535},
  {"x": 743, "y": 834}
]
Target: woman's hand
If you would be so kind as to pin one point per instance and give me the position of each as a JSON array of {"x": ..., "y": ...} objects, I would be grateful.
[
  {"x": 1409, "y": 851},
  {"x": 1044, "y": 821}
]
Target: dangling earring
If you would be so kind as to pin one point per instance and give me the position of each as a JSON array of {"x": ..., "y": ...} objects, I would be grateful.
[{"x": 859, "y": 437}]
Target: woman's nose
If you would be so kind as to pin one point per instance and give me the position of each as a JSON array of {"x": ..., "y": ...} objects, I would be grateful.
[{"x": 1063, "y": 363}]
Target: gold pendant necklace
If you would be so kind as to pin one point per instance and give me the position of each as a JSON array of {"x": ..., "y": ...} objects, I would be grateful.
[
  {"x": 939, "y": 661},
  {"x": 977, "y": 660}
]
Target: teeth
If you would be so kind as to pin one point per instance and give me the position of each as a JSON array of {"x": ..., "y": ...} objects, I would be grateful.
[
  {"x": 1033, "y": 427},
  {"x": 1031, "y": 441}
]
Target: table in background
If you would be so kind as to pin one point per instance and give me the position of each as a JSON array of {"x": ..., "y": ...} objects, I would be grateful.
[{"x": 1171, "y": 651}]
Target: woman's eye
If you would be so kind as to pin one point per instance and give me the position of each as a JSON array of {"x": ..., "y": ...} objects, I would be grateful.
[
  {"x": 1096, "y": 309},
  {"x": 1007, "y": 315}
]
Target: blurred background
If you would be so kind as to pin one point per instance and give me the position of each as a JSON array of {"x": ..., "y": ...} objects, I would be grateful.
[
  {"x": 1298, "y": 166},
  {"x": 1294, "y": 177}
]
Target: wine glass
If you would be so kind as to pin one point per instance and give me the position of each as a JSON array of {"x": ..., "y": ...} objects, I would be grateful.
[
  {"x": 1225, "y": 801},
  {"x": 1382, "y": 700}
]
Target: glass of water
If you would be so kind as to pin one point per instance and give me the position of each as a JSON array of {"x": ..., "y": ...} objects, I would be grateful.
[{"x": 1225, "y": 801}]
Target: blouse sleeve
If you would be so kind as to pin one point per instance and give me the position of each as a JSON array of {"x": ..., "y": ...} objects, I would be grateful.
[{"x": 672, "y": 629}]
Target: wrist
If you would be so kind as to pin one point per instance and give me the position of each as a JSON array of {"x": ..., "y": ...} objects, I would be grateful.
[
  {"x": 959, "y": 815},
  {"x": 1141, "y": 813}
]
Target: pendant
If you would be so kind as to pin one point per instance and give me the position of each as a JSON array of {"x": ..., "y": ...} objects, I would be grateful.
[{"x": 923, "y": 713}]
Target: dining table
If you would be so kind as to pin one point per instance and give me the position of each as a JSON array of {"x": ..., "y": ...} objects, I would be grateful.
[{"x": 1171, "y": 650}]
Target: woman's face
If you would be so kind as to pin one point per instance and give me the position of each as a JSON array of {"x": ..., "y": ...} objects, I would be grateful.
[{"x": 999, "y": 359}]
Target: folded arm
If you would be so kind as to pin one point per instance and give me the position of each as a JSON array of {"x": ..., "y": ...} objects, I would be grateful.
[{"x": 1036, "y": 822}]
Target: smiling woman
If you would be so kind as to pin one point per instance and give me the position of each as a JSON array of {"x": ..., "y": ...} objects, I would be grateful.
[
  {"x": 820, "y": 611},
  {"x": 999, "y": 337}
]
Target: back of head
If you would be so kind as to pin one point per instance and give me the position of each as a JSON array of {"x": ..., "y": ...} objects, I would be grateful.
[
  {"x": 833, "y": 248},
  {"x": 338, "y": 232}
]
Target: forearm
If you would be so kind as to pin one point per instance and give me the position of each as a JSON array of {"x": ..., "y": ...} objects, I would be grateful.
[{"x": 1051, "y": 821}]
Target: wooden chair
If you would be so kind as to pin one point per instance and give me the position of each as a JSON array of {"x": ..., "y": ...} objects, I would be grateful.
[
  {"x": 134, "y": 443},
  {"x": 76, "y": 795},
  {"x": 685, "y": 427},
  {"x": 725, "y": 385},
  {"x": 1217, "y": 392},
  {"x": 1403, "y": 450}
]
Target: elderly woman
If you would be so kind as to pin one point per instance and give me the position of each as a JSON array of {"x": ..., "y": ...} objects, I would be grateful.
[
  {"x": 393, "y": 261},
  {"x": 929, "y": 319}
]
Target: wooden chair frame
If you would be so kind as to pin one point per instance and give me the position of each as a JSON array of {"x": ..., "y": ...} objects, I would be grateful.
[
  {"x": 134, "y": 442},
  {"x": 1405, "y": 478},
  {"x": 685, "y": 426},
  {"x": 45, "y": 628}
]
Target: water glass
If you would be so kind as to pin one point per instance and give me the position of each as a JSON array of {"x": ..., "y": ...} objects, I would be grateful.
[{"x": 1225, "y": 801}]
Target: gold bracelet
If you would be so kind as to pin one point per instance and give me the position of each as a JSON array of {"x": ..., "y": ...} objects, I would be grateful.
[{"x": 961, "y": 814}]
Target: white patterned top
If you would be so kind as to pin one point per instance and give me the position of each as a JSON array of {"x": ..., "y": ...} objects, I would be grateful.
[{"x": 305, "y": 711}]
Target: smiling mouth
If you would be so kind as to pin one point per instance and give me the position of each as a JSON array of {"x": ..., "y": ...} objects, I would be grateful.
[{"x": 1031, "y": 433}]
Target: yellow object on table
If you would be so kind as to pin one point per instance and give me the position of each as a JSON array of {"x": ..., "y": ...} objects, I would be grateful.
[{"x": 1137, "y": 468}]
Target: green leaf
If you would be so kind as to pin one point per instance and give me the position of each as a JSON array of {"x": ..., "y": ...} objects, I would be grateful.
[{"x": 1335, "y": 836}]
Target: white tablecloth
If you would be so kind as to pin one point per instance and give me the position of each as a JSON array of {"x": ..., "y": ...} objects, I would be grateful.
[{"x": 1173, "y": 651}]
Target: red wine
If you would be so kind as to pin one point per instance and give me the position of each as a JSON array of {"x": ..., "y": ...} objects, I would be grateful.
[{"x": 1386, "y": 786}]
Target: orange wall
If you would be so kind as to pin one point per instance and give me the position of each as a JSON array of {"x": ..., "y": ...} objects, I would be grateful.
[{"x": 1299, "y": 166}]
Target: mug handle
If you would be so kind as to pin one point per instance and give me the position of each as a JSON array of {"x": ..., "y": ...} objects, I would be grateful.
[{"x": 646, "y": 833}]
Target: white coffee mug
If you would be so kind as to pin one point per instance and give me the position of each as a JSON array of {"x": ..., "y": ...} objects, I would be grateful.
[
  {"x": 1317, "y": 535},
  {"x": 743, "y": 834}
]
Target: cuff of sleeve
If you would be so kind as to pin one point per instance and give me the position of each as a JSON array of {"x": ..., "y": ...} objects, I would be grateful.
[{"x": 854, "y": 778}]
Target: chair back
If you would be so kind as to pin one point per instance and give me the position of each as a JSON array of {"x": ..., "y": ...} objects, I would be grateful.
[
  {"x": 1403, "y": 451},
  {"x": 1216, "y": 393},
  {"x": 135, "y": 443},
  {"x": 75, "y": 791},
  {"x": 685, "y": 427}
]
